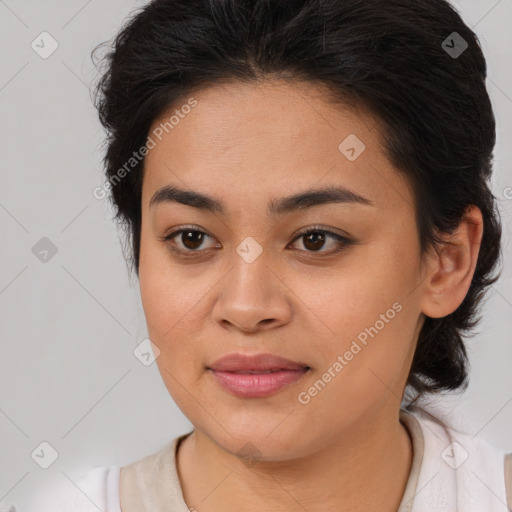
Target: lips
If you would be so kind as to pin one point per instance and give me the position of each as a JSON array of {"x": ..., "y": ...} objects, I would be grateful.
[
  {"x": 255, "y": 364},
  {"x": 256, "y": 376}
]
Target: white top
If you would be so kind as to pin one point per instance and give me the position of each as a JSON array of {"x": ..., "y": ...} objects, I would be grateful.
[
  {"x": 450, "y": 471},
  {"x": 98, "y": 490}
]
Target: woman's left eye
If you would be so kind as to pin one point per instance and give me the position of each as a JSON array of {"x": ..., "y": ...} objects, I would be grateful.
[{"x": 314, "y": 240}]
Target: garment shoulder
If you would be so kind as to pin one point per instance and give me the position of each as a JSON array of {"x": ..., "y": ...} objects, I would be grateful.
[
  {"x": 98, "y": 489},
  {"x": 459, "y": 469},
  {"x": 151, "y": 484},
  {"x": 508, "y": 478}
]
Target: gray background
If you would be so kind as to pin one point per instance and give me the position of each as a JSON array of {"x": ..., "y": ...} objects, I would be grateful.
[{"x": 68, "y": 375}]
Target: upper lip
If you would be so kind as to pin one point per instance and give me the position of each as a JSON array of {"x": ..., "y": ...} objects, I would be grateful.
[{"x": 257, "y": 362}]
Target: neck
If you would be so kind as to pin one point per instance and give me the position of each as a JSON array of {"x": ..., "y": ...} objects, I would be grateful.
[{"x": 365, "y": 468}]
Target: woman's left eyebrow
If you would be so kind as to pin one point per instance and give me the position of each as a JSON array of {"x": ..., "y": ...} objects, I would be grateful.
[{"x": 299, "y": 201}]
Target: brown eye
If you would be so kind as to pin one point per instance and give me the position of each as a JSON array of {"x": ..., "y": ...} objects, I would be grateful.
[
  {"x": 314, "y": 240},
  {"x": 188, "y": 240},
  {"x": 192, "y": 239}
]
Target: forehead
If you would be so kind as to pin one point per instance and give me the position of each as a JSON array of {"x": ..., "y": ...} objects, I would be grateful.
[{"x": 261, "y": 139}]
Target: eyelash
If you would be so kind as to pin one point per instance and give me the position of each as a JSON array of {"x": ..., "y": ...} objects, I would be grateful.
[{"x": 342, "y": 241}]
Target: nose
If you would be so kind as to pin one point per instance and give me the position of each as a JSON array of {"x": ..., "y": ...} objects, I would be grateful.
[{"x": 252, "y": 297}]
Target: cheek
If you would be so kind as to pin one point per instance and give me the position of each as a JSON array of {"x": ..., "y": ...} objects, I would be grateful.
[
  {"x": 365, "y": 365},
  {"x": 344, "y": 301},
  {"x": 168, "y": 296},
  {"x": 172, "y": 316},
  {"x": 175, "y": 305},
  {"x": 369, "y": 315},
  {"x": 170, "y": 322}
]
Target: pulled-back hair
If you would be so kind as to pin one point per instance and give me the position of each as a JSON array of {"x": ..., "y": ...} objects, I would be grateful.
[{"x": 397, "y": 59}]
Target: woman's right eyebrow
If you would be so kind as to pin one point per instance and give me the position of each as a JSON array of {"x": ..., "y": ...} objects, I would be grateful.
[{"x": 299, "y": 201}]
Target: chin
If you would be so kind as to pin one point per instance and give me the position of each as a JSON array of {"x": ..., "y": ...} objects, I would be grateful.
[{"x": 259, "y": 443}]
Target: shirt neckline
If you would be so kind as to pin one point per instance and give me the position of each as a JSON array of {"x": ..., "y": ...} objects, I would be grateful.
[
  {"x": 409, "y": 421},
  {"x": 413, "y": 427}
]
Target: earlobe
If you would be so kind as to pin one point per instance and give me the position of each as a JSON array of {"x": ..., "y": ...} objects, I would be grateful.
[{"x": 452, "y": 266}]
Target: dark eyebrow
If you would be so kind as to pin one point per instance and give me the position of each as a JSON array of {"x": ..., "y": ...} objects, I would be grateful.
[
  {"x": 302, "y": 200},
  {"x": 317, "y": 197},
  {"x": 170, "y": 194}
]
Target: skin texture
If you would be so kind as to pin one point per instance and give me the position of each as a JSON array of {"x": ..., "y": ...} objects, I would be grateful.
[{"x": 247, "y": 144}]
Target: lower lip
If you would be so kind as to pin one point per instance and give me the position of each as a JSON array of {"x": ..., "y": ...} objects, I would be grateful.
[{"x": 249, "y": 385}]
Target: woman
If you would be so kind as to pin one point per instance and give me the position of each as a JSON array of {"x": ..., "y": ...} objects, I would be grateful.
[{"x": 305, "y": 187}]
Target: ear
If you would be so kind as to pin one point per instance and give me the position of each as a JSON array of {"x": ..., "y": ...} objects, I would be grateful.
[{"x": 451, "y": 266}]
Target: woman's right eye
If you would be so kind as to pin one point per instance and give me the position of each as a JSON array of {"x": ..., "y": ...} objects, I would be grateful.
[{"x": 188, "y": 240}]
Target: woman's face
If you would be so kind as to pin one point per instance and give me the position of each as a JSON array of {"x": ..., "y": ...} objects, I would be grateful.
[{"x": 255, "y": 283}]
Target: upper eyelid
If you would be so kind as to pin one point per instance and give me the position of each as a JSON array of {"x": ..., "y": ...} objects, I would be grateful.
[{"x": 330, "y": 231}]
